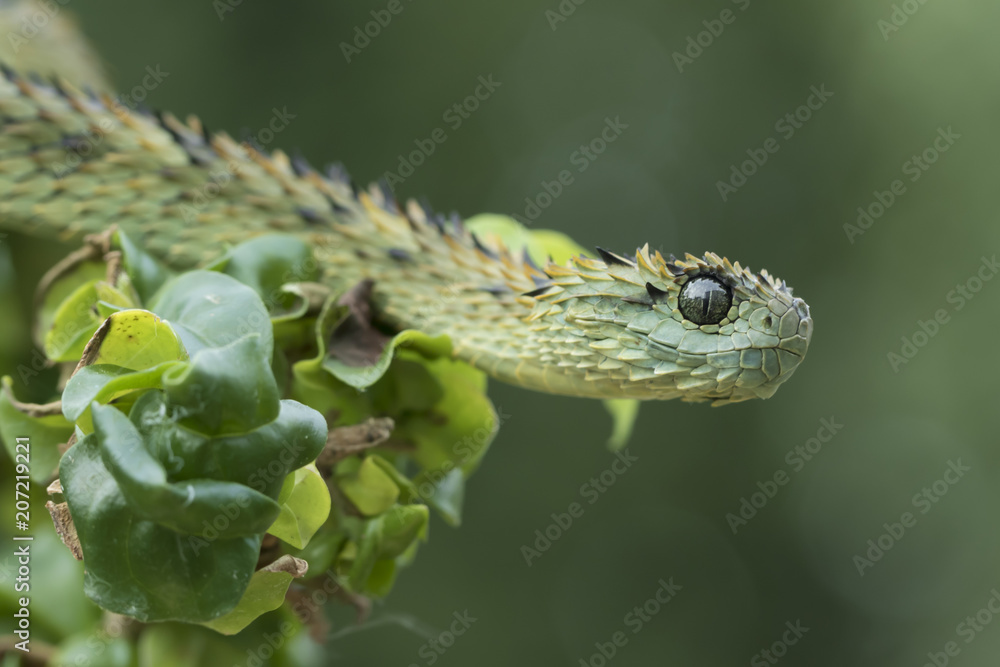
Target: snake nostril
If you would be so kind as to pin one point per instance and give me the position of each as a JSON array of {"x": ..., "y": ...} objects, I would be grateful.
[{"x": 768, "y": 322}]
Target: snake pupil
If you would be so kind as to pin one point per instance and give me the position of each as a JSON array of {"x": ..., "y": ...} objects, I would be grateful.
[{"x": 705, "y": 300}]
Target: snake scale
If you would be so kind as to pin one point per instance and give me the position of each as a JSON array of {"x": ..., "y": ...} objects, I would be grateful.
[{"x": 613, "y": 326}]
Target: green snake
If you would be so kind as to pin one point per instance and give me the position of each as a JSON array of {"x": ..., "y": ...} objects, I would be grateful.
[{"x": 639, "y": 326}]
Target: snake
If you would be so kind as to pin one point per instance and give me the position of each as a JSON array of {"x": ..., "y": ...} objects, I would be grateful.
[{"x": 76, "y": 161}]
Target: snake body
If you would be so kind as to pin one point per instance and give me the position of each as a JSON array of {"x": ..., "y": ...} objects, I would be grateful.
[{"x": 615, "y": 326}]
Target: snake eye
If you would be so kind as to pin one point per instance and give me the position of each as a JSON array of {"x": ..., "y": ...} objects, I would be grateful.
[{"x": 705, "y": 300}]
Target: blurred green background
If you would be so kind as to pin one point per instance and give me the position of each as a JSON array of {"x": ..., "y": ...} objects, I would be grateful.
[{"x": 795, "y": 561}]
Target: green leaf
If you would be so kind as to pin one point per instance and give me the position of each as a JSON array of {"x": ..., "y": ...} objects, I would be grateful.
[
  {"x": 95, "y": 648},
  {"x": 147, "y": 275},
  {"x": 385, "y": 537},
  {"x": 265, "y": 593},
  {"x": 624, "y": 412},
  {"x": 85, "y": 273},
  {"x": 267, "y": 263},
  {"x": 170, "y": 521},
  {"x": 104, "y": 384},
  {"x": 173, "y": 645},
  {"x": 458, "y": 429},
  {"x": 74, "y": 322},
  {"x": 366, "y": 485},
  {"x": 136, "y": 339},
  {"x": 540, "y": 243},
  {"x": 305, "y": 506},
  {"x": 44, "y": 433},
  {"x": 226, "y": 390},
  {"x": 361, "y": 377},
  {"x": 447, "y": 495},
  {"x": 139, "y": 568},
  {"x": 189, "y": 507},
  {"x": 208, "y": 309}
]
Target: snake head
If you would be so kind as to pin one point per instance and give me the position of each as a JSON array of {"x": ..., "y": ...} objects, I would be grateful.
[{"x": 699, "y": 329}]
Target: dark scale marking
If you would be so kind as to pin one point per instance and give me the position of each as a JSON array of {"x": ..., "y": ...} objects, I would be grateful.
[
  {"x": 610, "y": 258},
  {"x": 400, "y": 255},
  {"x": 674, "y": 269},
  {"x": 178, "y": 138},
  {"x": 497, "y": 290},
  {"x": 483, "y": 249},
  {"x": 538, "y": 292},
  {"x": 300, "y": 165},
  {"x": 251, "y": 141},
  {"x": 389, "y": 202},
  {"x": 309, "y": 215},
  {"x": 9, "y": 73},
  {"x": 655, "y": 293},
  {"x": 337, "y": 206},
  {"x": 526, "y": 259},
  {"x": 336, "y": 172}
]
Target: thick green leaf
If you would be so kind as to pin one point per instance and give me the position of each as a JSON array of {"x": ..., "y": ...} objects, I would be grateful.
[
  {"x": 208, "y": 309},
  {"x": 189, "y": 507},
  {"x": 384, "y": 537},
  {"x": 305, "y": 506},
  {"x": 170, "y": 521},
  {"x": 266, "y": 592},
  {"x": 104, "y": 384},
  {"x": 74, "y": 322},
  {"x": 147, "y": 274},
  {"x": 226, "y": 390},
  {"x": 85, "y": 273},
  {"x": 139, "y": 568},
  {"x": 137, "y": 339},
  {"x": 260, "y": 459},
  {"x": 366, "y": 485},
  {"x": 267, "y": 263},
  {"x": 458, "y": 429}
]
